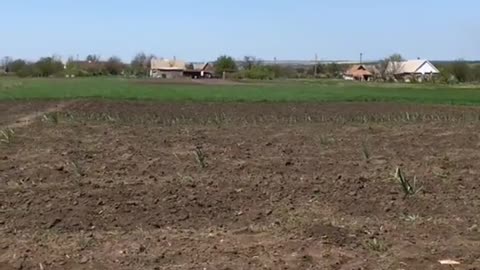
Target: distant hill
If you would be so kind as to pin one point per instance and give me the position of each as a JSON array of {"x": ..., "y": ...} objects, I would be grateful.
[{"x": 340, "y": 62}]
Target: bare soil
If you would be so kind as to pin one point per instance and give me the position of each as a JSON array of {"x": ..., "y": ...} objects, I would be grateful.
[
  {"x": 12, "y": 112},
  {"x": 125, "y": 185}
]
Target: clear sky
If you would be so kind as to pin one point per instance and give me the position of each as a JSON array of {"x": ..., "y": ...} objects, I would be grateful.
[{"x": 201, "y": 30}]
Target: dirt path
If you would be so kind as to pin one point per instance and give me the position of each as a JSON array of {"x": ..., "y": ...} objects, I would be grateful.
[{"x": 27, "y": 119}]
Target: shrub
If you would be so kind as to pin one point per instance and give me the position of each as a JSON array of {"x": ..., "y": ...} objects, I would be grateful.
[
  {"x": 49, "y": 66},
  {"x": 259, "y": 73}
]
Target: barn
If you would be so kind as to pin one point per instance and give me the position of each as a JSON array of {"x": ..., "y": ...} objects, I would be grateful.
[{"x": 167, "y": 69}]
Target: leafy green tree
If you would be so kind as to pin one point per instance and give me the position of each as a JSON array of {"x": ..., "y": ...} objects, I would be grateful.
[
  {"x": 48, "y": 66},
  {"x": 476, "y": 73},
  {"x": 259, "y": 73},
  {"x": 29, "y": 70},
  {"x": 460, "y": 70},
  {"x": 396, "y": 57},
  {"x": 114, "y": 66},
  {"x": 16, "y": 65},
  {"x": 225, "y": 63}
]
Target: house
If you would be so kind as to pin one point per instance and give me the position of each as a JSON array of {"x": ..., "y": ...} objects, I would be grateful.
[
  {"x": 167, "y": 69},
  {"x": 200, "y": 70},
  {"x": 407, "y": 71},
  {"x": 358, "y": 73}
]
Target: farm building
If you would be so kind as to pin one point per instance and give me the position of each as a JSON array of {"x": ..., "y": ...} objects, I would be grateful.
[
  {"x": 167, "y": 69},
  {"x": 418, "y": 70},
  {"x": 358, "y": 73},
  {"x": 200, "y": 70}
]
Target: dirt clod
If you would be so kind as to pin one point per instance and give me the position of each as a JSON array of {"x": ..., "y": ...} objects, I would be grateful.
[{"x": 83, "y": 260}]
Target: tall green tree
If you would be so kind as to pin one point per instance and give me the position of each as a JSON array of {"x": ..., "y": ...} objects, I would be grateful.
[
  {"x": 16, "y": 65},
  {"x": 225, "y": 63}
]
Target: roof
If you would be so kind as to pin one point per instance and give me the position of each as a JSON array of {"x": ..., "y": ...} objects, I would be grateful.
[
  {"x": 410, "y": 66},
  {"x": 199, "y": 66},
  {"x": 165, "y": 64},
  {"x": 358, "y": 71}
]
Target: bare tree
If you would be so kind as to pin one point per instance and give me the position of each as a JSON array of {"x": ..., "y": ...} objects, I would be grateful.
[
  {"x": 250, "y": 62},
  {"x": 5, "y": 63},
  {"x": 390, "y": 65},
  {"x": 141, "y": 64}
]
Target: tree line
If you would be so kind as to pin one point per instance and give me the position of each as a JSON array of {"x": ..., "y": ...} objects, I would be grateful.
[
  {"x": 92, "y": 65},
  {"x": 459, "y": 71},
  {"x": 249, "y": 67}
]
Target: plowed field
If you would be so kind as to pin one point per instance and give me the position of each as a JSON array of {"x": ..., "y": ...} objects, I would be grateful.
[{"x": 135, "y": 185}]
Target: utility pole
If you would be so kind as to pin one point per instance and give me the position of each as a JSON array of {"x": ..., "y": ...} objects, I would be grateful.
[{"x": 315, "y": 69}]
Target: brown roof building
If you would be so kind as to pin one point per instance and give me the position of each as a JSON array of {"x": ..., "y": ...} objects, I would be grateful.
[{"x": 358, "y": 73}]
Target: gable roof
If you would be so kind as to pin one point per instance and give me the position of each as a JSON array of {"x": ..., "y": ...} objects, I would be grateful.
[
  {"x": 165, "y": 64},
  {"x": 199, "y": 66},
  {"x": 410, "y": 66},
  {"x": 202, "y": 66},
  {"x": 358, "y": 71}
]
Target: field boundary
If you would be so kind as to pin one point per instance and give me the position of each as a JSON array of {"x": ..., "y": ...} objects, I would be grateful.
[{"x": 29, "y": 118}]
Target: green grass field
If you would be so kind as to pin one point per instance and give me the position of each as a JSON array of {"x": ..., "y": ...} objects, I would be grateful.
[{"x": 272, "y": 91}]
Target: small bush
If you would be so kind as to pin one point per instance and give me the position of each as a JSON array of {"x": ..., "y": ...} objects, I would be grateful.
[
  {"x": 201, "y": 157},
  {"x": 258, "y": 73},
  {"x": 408, "y": 188}
]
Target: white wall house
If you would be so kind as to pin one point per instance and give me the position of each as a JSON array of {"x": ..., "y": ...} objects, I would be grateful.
[{"x": 412, "y": 70}]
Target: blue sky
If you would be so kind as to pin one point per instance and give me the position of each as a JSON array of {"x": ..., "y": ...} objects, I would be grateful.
[{"x": 201, "y": 30}]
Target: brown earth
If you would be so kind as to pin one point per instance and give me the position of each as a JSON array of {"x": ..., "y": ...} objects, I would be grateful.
[
  {"x": 109, "y": 185},
  {"x": 12, "y": 111}
]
